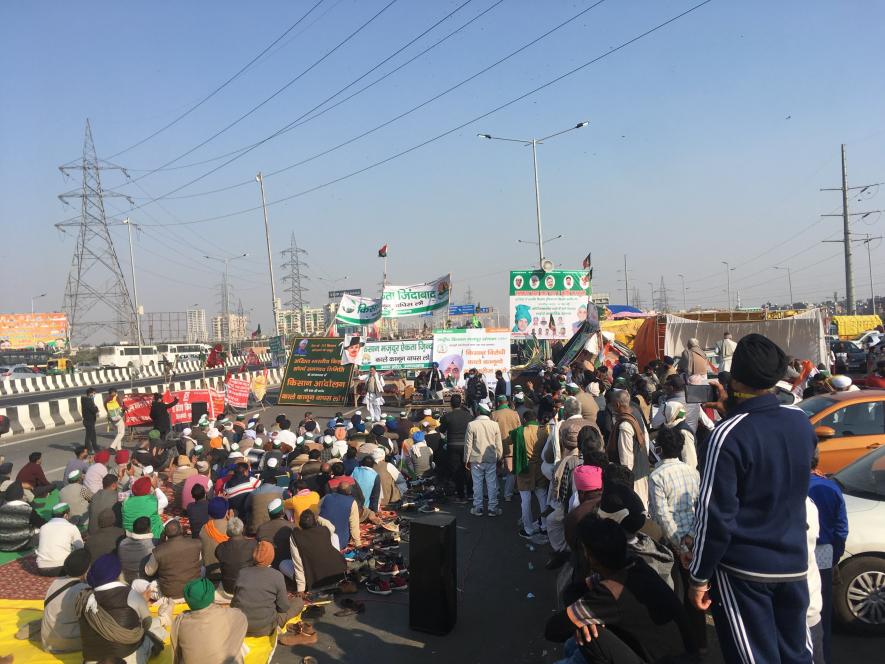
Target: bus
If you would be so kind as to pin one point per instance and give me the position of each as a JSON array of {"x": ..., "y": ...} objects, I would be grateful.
[
  {"x": 183, "y": 352},
  {"x": 122, "y": 356}
]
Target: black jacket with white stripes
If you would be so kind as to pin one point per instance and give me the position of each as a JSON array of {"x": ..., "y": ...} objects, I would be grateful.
[{"x": 750, "y": 519}]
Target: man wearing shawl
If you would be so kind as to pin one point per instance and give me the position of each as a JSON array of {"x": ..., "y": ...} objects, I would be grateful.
[
  {"x": 190, "y": 629},
  {"x": 527, "y": 444}
]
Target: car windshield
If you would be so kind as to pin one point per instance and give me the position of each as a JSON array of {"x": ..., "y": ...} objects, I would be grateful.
[
  {"x": 813, "y": 405},
  {"x": 865, "y": 478}
]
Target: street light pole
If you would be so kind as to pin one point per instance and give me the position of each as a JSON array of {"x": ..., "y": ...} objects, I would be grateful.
[
  {"x": 534, "y": 142},
  {"x": 273, "y": 288},
  {"x": 128, "y": 224},
  {"x": 684, "y": 305},
  {"x": 728, "y": 277},
  {"x": 36, "y": 297},
  {"x": 651, "y": 288},
  {"x": 789, "y": 282}
]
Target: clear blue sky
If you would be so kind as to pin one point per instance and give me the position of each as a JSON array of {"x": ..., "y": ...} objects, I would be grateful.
[{"x": 689, "y": 158}]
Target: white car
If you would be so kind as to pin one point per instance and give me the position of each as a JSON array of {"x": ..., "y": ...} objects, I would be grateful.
[
  {"x": 17, "y": 371},
  {"x": 859, "y": 587}
]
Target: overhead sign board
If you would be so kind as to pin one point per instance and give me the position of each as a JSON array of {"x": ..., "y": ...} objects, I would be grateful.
[{"x": 335, "y": 294}]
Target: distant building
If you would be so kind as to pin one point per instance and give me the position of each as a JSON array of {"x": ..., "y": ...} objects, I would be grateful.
[
  {"x": 236, "y": 324},
  {"x": 314, "y": 321},
  {"x": 196, "y": 326},
  {"x": 289, "y": 321},
  {"x": 601, "y": 298}
]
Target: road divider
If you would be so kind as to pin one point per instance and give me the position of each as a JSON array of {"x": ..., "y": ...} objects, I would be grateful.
[{"x": 48, "y": 413}]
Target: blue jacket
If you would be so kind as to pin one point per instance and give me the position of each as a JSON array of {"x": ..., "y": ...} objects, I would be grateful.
[
  {"x": 750, "y": 519},
  {"x": 336, "y": 508},
  {"x": 827, "y": 497}
]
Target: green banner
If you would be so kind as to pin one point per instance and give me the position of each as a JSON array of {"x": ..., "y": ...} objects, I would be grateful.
[
  {"x": 397, "y": 355},
  {"x": 314, "y": 375},
  {"x": 417, "y": 299},
  {"x": 548, "y": 305}
]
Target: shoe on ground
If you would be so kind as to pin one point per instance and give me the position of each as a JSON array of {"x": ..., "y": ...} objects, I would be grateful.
[
  {"x": 347, "y": 588},
  {"x": 496, "y": 512},
  {"x": 399, "y": 583},
  {"x": 476, "y": 512},
  {"x": 289, "y": 639},
  {"x": 525, "y": 535},
  {"x": 380, "y": 587}
]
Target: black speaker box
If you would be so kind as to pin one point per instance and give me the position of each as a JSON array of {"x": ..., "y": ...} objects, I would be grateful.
[{"x": 433, "y": 574}]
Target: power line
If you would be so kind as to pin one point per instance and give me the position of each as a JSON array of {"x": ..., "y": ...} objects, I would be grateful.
[
  {"x": 500, "y": 107},
  {"x": 301, "y": 120},
  {"x": 275, "y": 94},
  {"x": 230, "y": 80}
]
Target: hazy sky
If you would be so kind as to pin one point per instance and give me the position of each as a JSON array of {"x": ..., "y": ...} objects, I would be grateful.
[{"x": 708, "y": 141}]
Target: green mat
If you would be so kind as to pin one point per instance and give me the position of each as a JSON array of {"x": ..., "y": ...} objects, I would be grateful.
[{"x": 44, "y": 509}]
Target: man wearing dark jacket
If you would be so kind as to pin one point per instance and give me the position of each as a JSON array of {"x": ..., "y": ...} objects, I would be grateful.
[
  {"x": 454, "y": 426},
  {"x": 89, "y": 413},
  {"x": 160, "y": 414},
  {"x": 749, "y": 536}
]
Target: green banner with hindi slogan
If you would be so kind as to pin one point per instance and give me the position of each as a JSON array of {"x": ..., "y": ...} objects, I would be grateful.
[{"x": 314, "y": 374}]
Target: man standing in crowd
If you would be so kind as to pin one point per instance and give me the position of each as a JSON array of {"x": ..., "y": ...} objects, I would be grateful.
[
  {"x": 507, "y": 420},
  {"x": 482, "y": 451},
  {"x": 725, "y": 352},
  {"x": 748, "y": 540},
  {"x": 160, "y": 414},
  {"x": 89, "y": 413},
  {"x": 454, "y": 427},
  {"x": 374, "y": 394}
]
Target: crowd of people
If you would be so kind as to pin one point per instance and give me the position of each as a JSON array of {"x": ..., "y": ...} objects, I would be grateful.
[
  {"x": 657, "y": 508},
  {"x": 240, "y": 522}
]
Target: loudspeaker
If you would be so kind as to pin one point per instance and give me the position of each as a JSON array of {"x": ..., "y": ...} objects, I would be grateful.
[{"x": 433, "y": 574}]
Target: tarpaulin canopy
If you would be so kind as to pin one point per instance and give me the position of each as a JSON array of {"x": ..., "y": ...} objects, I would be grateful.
[
  {"x": 849, "y": 327},
  {"x": 800, "y": 336},
  {"x": 622, "y": 309}
]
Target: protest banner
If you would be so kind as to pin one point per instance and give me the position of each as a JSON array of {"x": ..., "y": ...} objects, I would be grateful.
[
  {"x": 458, "y": 351},
  {"x": 236, "y": 392},
  {"x": 259, "y": 386},
  {"x": 397, "y": 355},
  {"x": 277, "y": 352},
  {"x": 548, "y": 305},
  {"x": 138, "y": 406},
  {"x": 400, "y": 301},
  {"x": 315, "y": 375},
  {"x": 355, "y": 310}
]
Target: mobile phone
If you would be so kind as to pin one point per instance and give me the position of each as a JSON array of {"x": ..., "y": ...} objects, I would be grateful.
[{"x": 701, "y": 393}]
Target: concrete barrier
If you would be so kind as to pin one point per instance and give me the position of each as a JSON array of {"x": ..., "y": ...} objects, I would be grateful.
[
  {"x": 50, "y": 413},
  {"x": 97, "y": 377}
]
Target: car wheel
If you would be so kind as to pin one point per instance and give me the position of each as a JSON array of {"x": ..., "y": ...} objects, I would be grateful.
[{"x": 859, "y": 595}]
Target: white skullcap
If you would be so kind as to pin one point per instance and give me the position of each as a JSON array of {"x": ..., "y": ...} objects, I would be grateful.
[
  {"x": 186, "y": 432},
  {"x": 427, "y": 411},
  {"x": 147, "y": 470},
  {"x": 594, "y": 389},
  {"x": 236, "y": 455},
  {"x": 840, "y": 382},
  {"x": 272, "y": 462},
  {"x": 378, "y": 455}
]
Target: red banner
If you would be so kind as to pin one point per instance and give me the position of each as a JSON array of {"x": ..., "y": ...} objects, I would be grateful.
[
  {"x": 237, "y": 393},
  {"x": 138, "y": 406}
]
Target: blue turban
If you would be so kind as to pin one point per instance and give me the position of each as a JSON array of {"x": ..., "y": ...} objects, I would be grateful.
[
  {"x": 217, "y": 508},
  {"x": 104, "y": 569},
  {"x": 418, "y": 436}
]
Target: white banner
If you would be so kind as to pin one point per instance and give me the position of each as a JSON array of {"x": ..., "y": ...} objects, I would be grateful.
[
  {"x": 458, "y": 351},
  {"x": 400, "y": 301},
  {"x": 354, "y": 310}
]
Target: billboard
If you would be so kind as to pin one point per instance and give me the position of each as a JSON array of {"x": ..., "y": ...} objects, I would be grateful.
[
  {"x": 335, "y": 294},
  {"x": 389, "y": 355},
  {"x": 458, "y": 351},
  {"x": 548, "y": 305},
  {"x": 400, "y": 301},
  {"x": 38, "y": 330},
  {"x": 314, "y": 374}
]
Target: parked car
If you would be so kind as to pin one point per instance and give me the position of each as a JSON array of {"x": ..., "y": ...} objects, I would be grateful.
[
  {"x": 848, "y": 425},
  {"x": 17, "y": 371},
  {"x": 859, "y": 588},
  {"x": 868, "y": 338},
  {"x": 853, "y": 355}
]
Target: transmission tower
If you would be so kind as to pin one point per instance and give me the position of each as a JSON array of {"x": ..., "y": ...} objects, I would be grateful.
[
  {"x": 294, "y": 278},
  {"x": 96, "y": 295},
  {"x": 663, "y": 303}
]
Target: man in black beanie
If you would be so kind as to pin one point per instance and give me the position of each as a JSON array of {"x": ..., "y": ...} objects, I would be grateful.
[{"x": 748, "y": 545}]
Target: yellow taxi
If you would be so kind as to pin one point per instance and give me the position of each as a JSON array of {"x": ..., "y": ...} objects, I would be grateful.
[{"x": 848, "y": 425}]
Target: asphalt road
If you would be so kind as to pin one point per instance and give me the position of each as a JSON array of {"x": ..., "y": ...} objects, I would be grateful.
[{"x": 497, "y": 570}]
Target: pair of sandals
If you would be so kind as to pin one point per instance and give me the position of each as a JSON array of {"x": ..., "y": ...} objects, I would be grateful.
[
  {"x": 350, "y": 607},
  {"x": 301, "y": 627}
]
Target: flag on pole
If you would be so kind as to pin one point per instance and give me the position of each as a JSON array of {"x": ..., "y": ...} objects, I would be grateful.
[
  {"x": 257, "y": 333},
  {"x": 587, "y": 261},
  {"x": 382, "y": 252}
]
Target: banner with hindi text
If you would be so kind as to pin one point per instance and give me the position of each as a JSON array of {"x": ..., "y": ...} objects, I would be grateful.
[
  {"x": 355, "y": 310},
  {"x": 314, "y": 375},
  {"x": 417, "y": 299}
]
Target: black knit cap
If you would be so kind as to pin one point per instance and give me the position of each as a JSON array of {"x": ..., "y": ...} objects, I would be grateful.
[
  {"x": 623, "y": 505},
  {"x": 77, "y": 562},
  {"x": 758, "y": 362}
]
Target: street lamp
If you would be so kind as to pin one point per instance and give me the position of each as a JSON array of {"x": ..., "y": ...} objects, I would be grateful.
[
  {"x": 728, "y": 277},
  {"x": 36, "y": 297},
  {"x": 128, "y": 223},
  {"x": 273, "y": 287},
  {"x": 534, "y": 142},
  {"x": 789, "y": 281},
  {"x": 684, "y": 305},
  {"x": 225, "y": 300},
  {"x": 651, "y": 288}
]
